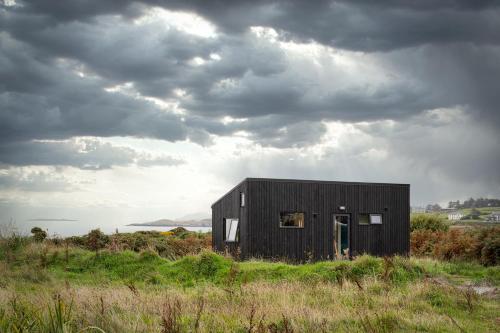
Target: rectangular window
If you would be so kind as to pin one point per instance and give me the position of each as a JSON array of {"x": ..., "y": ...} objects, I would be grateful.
[
  {"x": 375, "y": 218},
  {"x": 242, "y": 199},
  {"x": 291, "y": 220},
  {"x": 366, "y": 219},
  {"x": 231, "y": 230}
]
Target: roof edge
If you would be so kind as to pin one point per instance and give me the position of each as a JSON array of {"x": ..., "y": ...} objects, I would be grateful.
[
  {"x": 253, "y": 179},
  {"x": 231, "y": 190},
  {"x": 321, "y": 181}
]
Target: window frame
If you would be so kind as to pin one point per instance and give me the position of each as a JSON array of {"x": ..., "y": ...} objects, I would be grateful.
[
  {"x": 381, "y": 219},
  {"x": 359, "y": 219},
  {"x": 370, "y": 218},
  {"x": 242, "y": 199},
  {"x": 227, "y": 233},
  {"x": 289, "y": 226}
]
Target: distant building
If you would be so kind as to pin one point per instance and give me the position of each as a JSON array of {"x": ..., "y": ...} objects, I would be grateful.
[
  {"x": 455, "y": 215},
  {"x": 494, "y": 217},
  {"x": 418, "y": 209},
  {"x": 454, "y": 204}
]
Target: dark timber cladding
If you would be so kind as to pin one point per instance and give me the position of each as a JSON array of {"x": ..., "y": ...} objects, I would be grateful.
[{"x": 333, "y": 219}]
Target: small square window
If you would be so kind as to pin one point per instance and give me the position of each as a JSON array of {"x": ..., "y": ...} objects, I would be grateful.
[
  {"x": 242, "y": 199},
  {"x": 364, "y": 219},
  {"x": 375, "y": 218},
  {"x": 231, "y": 230},
  {"x": 291, "y": 220}
]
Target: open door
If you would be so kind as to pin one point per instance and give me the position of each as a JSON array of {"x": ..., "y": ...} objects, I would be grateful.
[{"x": 341, "y": 235}]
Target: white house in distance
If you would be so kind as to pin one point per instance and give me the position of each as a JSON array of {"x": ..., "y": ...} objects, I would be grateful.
[
  {"x": 494, "y": 216},
  {"x": 455, "y": 215}
]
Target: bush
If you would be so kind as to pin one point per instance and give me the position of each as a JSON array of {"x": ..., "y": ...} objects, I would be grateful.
[
  {"x": 427, "y": 222},
  {"x": 38, "y": 234},
  {"x": 481, "y": 245},
  {"x": 456, "y": 244},
  {"x": 96, "y": 240},
  {"x": 489, "y": 251},
  {"x": 171, "y": 246}
]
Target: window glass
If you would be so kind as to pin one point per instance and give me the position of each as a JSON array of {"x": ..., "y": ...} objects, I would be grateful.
[
  {"x": 231, "y": 230},
  {"x": 364, "y": 219},
  {"x": 227, "y": 228},
  {"x": 291, "y": 220},
  {"x": 375, "y": 219},
  {"x": 242, "y": 199}
]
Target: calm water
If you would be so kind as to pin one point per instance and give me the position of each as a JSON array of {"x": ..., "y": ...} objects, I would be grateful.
[{"x": 76, "y": 228}]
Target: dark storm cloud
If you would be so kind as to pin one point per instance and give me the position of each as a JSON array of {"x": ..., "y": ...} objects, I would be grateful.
[
  {"x": 367, "y": 27},
  {"x": 446, "y": 54},
  {"x": 358, "y": 25},
  {"x": 87, "y": 154},
  {"x": 46, "y": 99}
]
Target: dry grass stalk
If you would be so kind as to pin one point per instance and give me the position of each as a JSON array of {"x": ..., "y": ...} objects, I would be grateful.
[{"x": 170, "y": 320}]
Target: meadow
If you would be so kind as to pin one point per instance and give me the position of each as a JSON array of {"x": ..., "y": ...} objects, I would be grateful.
[{"x": 172, "y": 282}]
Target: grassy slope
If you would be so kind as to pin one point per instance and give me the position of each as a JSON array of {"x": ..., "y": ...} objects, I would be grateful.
[
  {"x": 84, "y": 267},
  {"x": 399, "y": 295}
]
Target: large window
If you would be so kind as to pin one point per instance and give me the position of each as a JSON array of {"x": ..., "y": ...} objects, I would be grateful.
[
  {"x": 366, "y": 219},
  {"x": 291, "y": 220},
  {"x": 231, "y": 233}
]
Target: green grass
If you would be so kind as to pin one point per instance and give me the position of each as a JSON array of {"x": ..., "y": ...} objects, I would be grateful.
[
  {"x": 85, "y": 267},
  {"x": 484, "y": 212},
  {"x": 43, "y": 290}
]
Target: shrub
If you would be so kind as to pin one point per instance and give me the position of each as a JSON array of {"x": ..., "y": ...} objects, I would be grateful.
[
  {"x": 96, "y": 240},
  {"x": 177, "y": 244},
  {"x": 482, "y": 245},
  {"x": 422, "y": 241},
  {"x": 456, "y": 244},
  {"x": 427, "y": 222},
  {"x": 38, "y": 234},
  {"x": 489, "y": 251}
]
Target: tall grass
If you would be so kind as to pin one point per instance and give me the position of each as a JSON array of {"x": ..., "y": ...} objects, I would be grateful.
[
  {"x": 261, "y": 306},
  {"x": 61, "y": 287}
]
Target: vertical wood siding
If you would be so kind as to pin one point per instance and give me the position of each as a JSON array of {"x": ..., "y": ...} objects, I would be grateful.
[
  {"x": 261, "y": 235},
  {"x": 229, "y": 207}
]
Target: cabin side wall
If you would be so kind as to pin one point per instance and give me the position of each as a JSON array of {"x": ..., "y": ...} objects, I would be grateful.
[
  {"x": 229, "y": 207},
  {"x": 319, "y": 201}
]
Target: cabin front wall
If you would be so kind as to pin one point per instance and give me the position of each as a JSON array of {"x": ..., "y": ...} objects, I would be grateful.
[
  {"x": 319, "y": 201},
  {"x": 229, "y": 207}
]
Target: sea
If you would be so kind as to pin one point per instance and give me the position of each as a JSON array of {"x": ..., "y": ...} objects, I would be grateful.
[{"x": 67, "y": 228}]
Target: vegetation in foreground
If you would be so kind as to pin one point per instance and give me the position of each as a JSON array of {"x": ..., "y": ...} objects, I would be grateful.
[{"x": 170, "y": 282}]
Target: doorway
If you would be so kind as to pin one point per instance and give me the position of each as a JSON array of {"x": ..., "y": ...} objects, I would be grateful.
[{"x": 341, "y": 235}]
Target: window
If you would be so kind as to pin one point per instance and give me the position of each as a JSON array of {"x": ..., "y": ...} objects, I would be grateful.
[
  {"x": 231, "y": 230},
  {"x": 366, "y": 219},
  {"x": 291, "y": 220},
  {"x": 375, "y": 218},
  {"x": 242, "y": 199}
]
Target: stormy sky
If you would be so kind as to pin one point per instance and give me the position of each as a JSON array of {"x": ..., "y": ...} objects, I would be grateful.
[{"x": 139, "y": 110}]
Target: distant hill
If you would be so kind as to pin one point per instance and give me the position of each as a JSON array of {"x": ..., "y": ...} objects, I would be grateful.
[
  {"x": 176, "y": 223},
  {"x": 194, "y": 216}
]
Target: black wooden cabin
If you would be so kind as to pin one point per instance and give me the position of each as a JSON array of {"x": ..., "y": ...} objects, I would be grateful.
[{"x": 309, "y": 219}]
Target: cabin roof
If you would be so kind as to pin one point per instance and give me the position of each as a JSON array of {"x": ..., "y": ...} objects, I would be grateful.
[{"x": 303, "y": 181}]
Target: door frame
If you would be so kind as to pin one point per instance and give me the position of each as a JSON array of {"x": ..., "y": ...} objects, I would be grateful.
[{"x": 335, "y": 242}]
